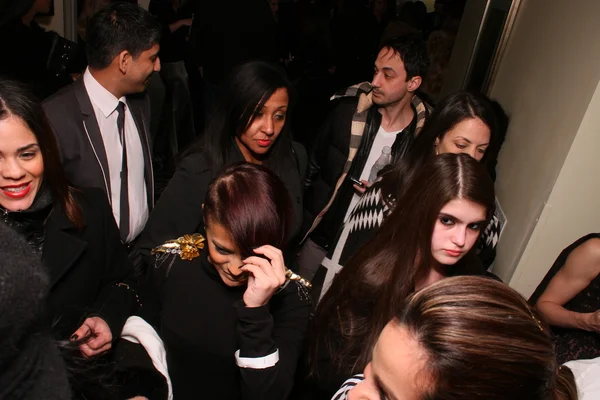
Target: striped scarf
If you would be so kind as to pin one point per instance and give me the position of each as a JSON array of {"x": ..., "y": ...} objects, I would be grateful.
[{"x": 359, "y": 120}]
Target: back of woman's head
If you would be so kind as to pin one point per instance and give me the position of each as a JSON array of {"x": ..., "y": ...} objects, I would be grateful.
[
  {"x": 452, "y": 110},
  {"x": 248, "y": 88},
  {"x": 252, "y": 203},
  {"x": 384, "y": 270},
  {"x": 481, "y": 340}
]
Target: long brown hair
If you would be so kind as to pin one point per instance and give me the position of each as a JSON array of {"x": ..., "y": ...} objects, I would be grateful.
[
  {"x": 483, "y": 341},
  {"x": 356, "y": 307},
  {"x": 17, "y": 101}
]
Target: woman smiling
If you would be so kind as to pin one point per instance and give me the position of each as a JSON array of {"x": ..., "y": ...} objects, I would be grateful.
[{"x": 72, "y": 231}]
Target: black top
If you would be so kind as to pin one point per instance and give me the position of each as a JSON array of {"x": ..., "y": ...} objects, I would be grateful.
[
  {"x": 203, "y": 323},
  {"x": 574, "y": 344},
  {"x": 179, "y": 209}
]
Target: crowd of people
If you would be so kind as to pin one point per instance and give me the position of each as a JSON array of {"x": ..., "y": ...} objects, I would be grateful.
[{"x": 356, "y": 268}]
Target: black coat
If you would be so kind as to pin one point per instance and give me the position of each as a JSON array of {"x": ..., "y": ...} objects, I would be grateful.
[
  {"x": 85, "y": 267},
  {"x": 179, "y": 209},
  {"x": 203, "y": 322}
]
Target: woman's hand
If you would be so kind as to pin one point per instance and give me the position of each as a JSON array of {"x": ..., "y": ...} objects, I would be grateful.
[
  {"x": 265, "y": 276},
  {"x": 100, "y": 336}
]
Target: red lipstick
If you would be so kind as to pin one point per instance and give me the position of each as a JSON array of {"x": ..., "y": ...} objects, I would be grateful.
[
  {"x": 16, "y": 191},
  {"x": 264, "y": 142}
]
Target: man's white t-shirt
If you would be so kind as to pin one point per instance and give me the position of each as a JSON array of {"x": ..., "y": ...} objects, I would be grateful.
[{"x": 382, "y": 139}]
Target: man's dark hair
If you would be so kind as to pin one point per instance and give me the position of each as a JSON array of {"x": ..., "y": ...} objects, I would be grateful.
[
  {"x": 412, "y": 49},
  {"x": 117, "y": 27}
]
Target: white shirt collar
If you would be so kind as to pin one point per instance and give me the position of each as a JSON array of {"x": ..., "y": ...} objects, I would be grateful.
[{"x": 102, "y": 98}]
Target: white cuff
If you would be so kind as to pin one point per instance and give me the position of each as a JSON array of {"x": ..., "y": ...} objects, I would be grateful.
[{"x": 257, "y": 362}]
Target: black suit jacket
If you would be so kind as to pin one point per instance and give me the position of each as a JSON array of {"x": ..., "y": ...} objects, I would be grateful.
[
  {"x": 87, "y": 268},
  {"x": 82, "y": 152}
]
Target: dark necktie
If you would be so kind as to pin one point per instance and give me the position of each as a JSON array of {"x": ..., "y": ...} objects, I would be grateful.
[{"x": 124, "y": 203}]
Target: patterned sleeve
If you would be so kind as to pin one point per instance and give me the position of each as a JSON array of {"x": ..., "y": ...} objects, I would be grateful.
[
  {"x": 342, "y": 393},
  {"x": 486, "y": 246}
]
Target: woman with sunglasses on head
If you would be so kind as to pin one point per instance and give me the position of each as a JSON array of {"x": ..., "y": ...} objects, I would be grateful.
[{"x": 233, "y": 318}]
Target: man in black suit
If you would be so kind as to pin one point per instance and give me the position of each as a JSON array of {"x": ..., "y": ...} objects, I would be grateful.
[{"x": 102, "y": 120}]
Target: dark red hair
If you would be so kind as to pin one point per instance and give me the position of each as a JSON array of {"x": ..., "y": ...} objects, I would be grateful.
[{"x": 252, "y": 203}]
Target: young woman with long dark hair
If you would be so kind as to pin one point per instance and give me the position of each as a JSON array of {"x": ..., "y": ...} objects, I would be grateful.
[
  {"x": 429, "y": 235},
  {"x": 250, "y": 123},
  {"x": 233, "y": 318},
  {"x": 72, "y": 231},
  {"x": 464, "y": 338}
]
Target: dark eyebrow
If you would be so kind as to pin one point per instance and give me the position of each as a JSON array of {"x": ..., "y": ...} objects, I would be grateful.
[
  {"x": 452, "y": 217},
  {"x": 463, "y": 138},
  {"x": 264, "y": 107},
  {"x": 217, "y": 244},
  {"x": 467, "y": 140},
  {"x": 384, "y": 68},
  {"x": 28, "y": 147},
  {"x": 386, "y": 390}
]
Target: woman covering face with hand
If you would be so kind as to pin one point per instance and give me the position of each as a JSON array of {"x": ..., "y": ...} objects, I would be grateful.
[
  {"x": 232, "y": 317},
  {"x": 72, "y": 231}
]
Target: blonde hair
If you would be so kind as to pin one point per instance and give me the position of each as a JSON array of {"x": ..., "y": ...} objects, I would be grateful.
[{"x": 483, "y": 341}]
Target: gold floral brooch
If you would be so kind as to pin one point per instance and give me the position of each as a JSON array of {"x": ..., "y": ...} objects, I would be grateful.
[{"x": 187, "y": 247}]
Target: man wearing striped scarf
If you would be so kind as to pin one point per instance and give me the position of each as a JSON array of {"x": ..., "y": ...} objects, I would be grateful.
[{"x": 367, "y": 118}]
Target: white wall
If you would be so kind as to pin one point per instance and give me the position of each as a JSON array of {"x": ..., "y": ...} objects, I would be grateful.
[
  {"x": 572, "y": 210},
  {"x": 545, "y": 82}
]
